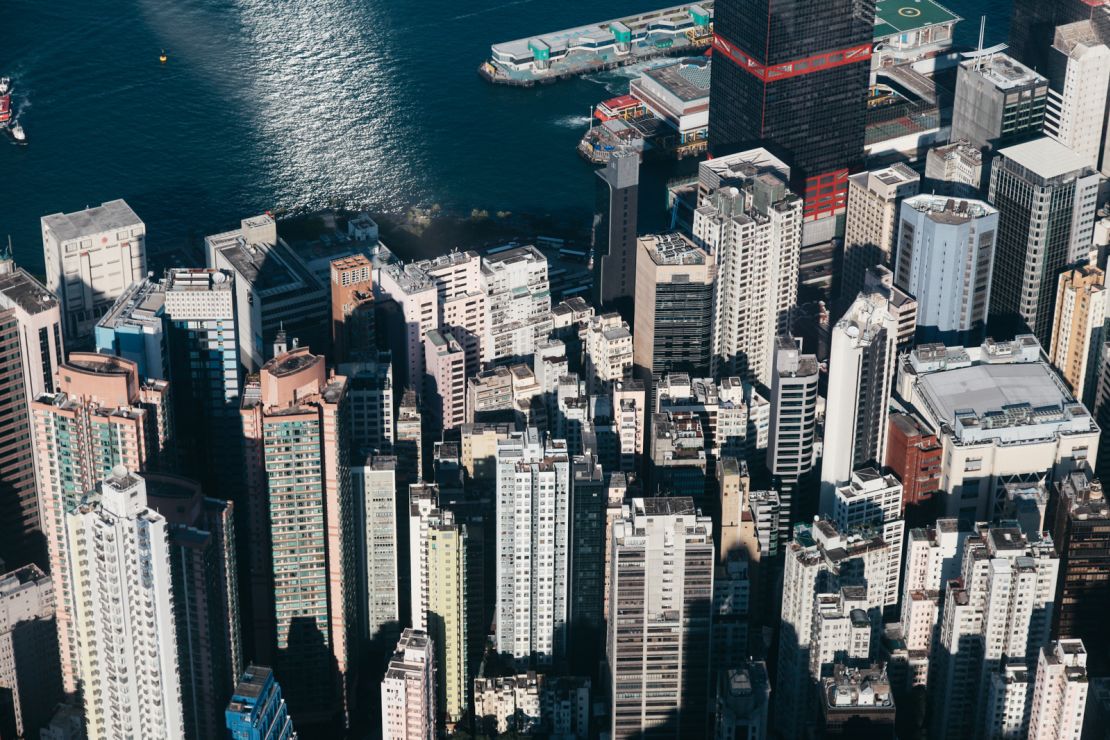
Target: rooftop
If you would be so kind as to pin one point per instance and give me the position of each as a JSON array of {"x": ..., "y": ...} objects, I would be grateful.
[
  {"x": 673, "y": 248},
  {"x": 903, "y": 16},
  {"x": 951, "y": 211},
  {"x": 1003, "y": 71},
  {"x": 981, "y": 401},
  {"x": 21, "y": 289},
  {"x": 853, "y": 688},
  {"x": 249, "y": 688},
  {"x": 959, "y": 149},
  {"x": 142, "y": 303},
  {"x": 197, "y": 279},
  {"x": 100, "y": 364},
  {"x": 15, "y": 580},
  {"x": 267, "y": 267},
  {"x": 688, "y": 79},
  {"x": 290, "y": 362},
  {"x": 1046, "y": 157},
  {"x": 115, "y": 214},
  {"x": 500, "y": 260},
  {"x": 664, "y": 505}
]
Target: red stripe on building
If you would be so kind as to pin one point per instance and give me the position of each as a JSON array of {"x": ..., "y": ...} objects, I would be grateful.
[
  {"x": 795, "y": 68},
  {"x": 825, "y": 194}
]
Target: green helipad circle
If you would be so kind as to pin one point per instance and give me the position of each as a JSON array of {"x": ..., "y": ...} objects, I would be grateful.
[{"x": 909, "y": 12}]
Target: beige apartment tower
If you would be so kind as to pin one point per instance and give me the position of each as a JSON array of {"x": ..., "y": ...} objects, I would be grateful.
[
  {"x": 304, "y": 546},
  {"x": 99, "y": 416}
]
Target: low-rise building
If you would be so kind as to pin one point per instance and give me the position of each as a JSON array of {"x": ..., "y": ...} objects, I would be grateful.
[{"x": 1001, "y": 413}]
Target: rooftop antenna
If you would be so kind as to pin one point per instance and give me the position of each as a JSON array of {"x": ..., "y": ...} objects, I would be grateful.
[{"x": 982, "y": 34}]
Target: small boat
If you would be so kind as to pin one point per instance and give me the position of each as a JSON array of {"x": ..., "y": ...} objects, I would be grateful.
[
  {"x": 162, "y": 57},
  {"x": 5, "y": 100},
  {"x": 17, "y": 132}
]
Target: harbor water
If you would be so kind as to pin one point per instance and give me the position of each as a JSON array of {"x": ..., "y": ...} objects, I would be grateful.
[{"x": 296, "y": 104}]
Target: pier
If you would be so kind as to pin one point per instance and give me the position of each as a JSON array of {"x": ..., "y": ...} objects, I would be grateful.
[{"x": 681, "y": 30}]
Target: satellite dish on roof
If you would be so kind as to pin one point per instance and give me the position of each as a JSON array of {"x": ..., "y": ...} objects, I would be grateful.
[{"x": 119, "y": 471}]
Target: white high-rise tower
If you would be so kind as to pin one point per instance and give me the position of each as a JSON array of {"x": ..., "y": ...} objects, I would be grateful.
[
  {"x": 533, "y": 524},
  {"x": 119, "y": 556}
]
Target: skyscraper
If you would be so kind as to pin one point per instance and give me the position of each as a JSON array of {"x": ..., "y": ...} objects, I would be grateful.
[
  {"x": 92, "y": 257},
  {"x": 932, "y": 559},
  {"x": 257, "y": 710},
  {"x": 304, "y": 543},
  {"x": 614, "y": 232},
  {"x": 518, "y": 300},
  {"x": 408, "y": 442},
  {"x": 462, "y": 301},
  {"x": 533, "y": 523},
  {"x": 753, "y": 229},
  {"x": 872, "y": 500},
  {"x": 861, "y": 372},
  {"x": 446, "y": 618},
  {"x": 945, "y": 260},
  {"x": 793, "y": 425},
  {"x": 608, "y": 351},
  {"x": 674, "y": 307},
  {"x": 820, "y": 560},
  {"x": 998, "y": 613},
  {"x": 374, "y": 485},
  {"x": 206, "y": 596},
  {"x": 955, "y": 169},
  {"x": 658, "y": 647},
  {"x": 99, "y": 416},
  {"x": 1081, "y": 533},
  {"x": 1060, "y": 694},
  {"x": 204, "y": 348},
  {"x": 124, "y": 612},
  {"x": 781, "y": 72},
  {"x": 587, "y": 558},
  {"x": 352, "y": 307},
  {"x": 1045, "y": 196},
  {"x": 423, "y": 513},
  {"x": 1079, "y": 78},
  {"x": 871, "y": 223},
  {"x": 999, "y": 101},
  {"x": 274, "y": 289},
  {"x": 1001, "y": 397},
  {"x": 371, "y": 392},
  {"x": 30, "y": 333},
  {"x": 1078, "y": 329},
  {"x": 134, "y": 328},
  {"x": 445, "y": 382},
  {"x": 1033, "y": 22},
  {"x": 409, "y": 690},
  {"x": 30, "y": 677}
]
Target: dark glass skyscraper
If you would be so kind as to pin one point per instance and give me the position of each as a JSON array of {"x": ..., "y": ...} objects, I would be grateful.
[
  {"x": 1033, "y": 25},
  {"x": 792, "y": 75},
  {"x": 614, "y": 232}
]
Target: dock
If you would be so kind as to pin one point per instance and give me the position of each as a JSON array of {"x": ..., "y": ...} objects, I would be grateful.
[
  {"x": 905, "y": 31},
  {"x": 680, "y": 30}
]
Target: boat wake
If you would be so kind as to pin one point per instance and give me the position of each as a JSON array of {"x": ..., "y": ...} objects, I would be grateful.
[
  {"x": 483, "y": 11},
  {"x": 575, "y": 122}
]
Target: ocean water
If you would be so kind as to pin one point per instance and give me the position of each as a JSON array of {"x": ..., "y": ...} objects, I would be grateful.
[{"x": 289, "y": 104}]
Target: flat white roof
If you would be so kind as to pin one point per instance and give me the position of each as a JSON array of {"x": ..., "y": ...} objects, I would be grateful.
[
  {"x": 985, "y": 388},
  {"x": 1047, "y": 157}
]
